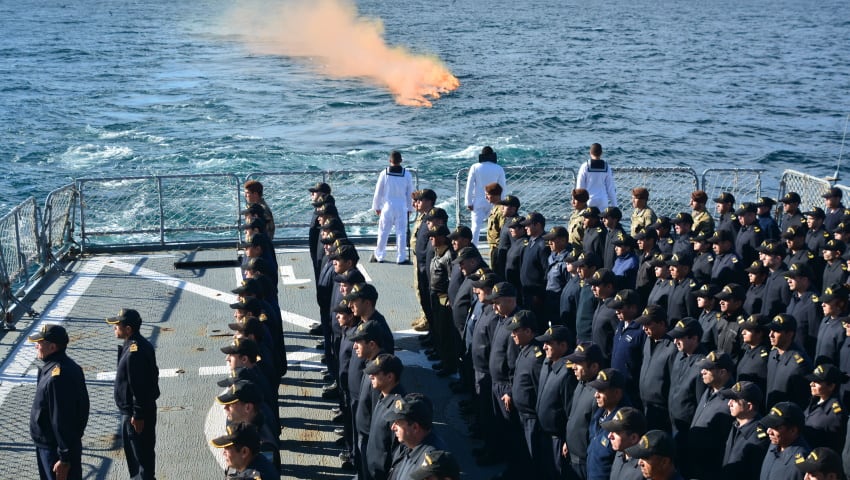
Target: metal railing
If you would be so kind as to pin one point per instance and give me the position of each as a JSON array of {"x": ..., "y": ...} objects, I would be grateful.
[
  {"x": 743, "y": 183},
  {"x": 20, "y": 247},
  {"x": 810, "y": 188}
]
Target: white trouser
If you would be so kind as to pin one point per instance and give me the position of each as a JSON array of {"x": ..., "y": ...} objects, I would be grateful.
[
  {"x": 479, "y": 220},
  {"x": 392, "y": 217}
]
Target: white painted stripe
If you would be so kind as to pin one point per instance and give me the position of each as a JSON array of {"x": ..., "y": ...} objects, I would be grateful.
[
  {"x": 217, "y": 370},
  {"x": 238, "y": 272},
  {"x": 407, "y": 333},
  {"x": 301, "y": 356},
  {"x": 175, "y": 282},
  {"x": 295, "y": 319},
  {"x": 215, "y": 425},
  {"x": 364, "y": 272},
  {"x": 413, "y": 359},
  {"x": 287, "y": 275},
  {"x": 163, "y": 373}
]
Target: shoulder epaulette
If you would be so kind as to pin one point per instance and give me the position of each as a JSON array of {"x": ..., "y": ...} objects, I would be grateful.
[
  {"x": 815, "y": 298},
  {"x": 525, "y": 243},
  {"x": 760, "y": 433},
  {"x": 732, "y": 217},
  {"x": 764, "y": 352},
  {"x": 56, "y": 371},
  {"x": 844, "y": 266},
  {"x": 537, "y": 352},
  {"x": 669, "y": 240},
  {"x": 798, "y": 458},
  {"x": 836, "y": 407},
  {"x": 693, "y": 284},
  {"x": 598, "y": 229},
  {"x": 810, "y": 255},
  {"x": 734, "y": 259},
  {"x": 798, "y": 358},
  {"x": 134, "y": 347},
  {"x": 756, "y": 229}
]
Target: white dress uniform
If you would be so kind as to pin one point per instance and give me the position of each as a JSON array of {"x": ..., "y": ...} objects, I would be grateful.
[
  {"x": 480, "y": 175},
  {"x": 597, "y": 178},
  {"x": 393, "y": 198}
]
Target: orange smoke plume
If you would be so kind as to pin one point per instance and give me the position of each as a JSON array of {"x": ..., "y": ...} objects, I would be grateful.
[{"x": 339, "y": 43}]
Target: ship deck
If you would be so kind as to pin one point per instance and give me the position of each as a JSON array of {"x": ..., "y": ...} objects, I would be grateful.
[{"x": 185, "y": 314}]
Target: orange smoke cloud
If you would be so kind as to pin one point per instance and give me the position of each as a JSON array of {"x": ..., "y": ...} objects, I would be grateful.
[{"x": 339, "y": 43}]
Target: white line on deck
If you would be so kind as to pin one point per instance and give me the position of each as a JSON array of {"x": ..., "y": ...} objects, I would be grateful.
[
  {"x": 175, "y": 282},
  {"x": 287, "y": 274},
  {"x": 163, "y": 373},
  {"x": 364, "y": 272},
  {"x": 216, "y": 370}
]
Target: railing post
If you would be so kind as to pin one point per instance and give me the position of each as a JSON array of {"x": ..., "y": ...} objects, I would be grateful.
[
  {"x": 161, "y": 211},
  {"x": 22, "y": 260},
  {"x": 83, "y": 241}
]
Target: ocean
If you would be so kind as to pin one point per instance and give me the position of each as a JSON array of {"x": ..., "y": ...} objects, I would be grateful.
[{"x": 115, "y": 88}]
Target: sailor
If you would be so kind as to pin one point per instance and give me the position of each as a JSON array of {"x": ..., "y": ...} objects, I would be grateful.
[
  {"x": 594, "y": 233},
  {"x": 596, "y": 176},
  {"x": 624, "y": 431},
  {"x": 392, "y": 202},
  {"x": 513, "y": 258},
  {"x": 798, "y": 252},
  {"x": 384, "y": 374},
  {"x": 725, "y": 208},
  {"x": 686, "y": 387},
  {"x": 243, "y": 402},
  {"x": 610, "y": 397},
  {"x": 502, "y": 361},
  {"x": 826, "y": 420},
  {"x": 663, "y": 287},
  {"x": 835, "y": 211},
  {"x": 496, "y": 219},
  {"x": 241, "y": 447},
  {"x": 555, "y": 393},
  {"x": 605, "y": 316},
  {"x": 830, "y": 331},
  {"x": 776, "y": 291},
  {"x": 587, "y": 360},
  {"x": 681, "y": 303},
  {"x": 764, "y": 210},
  {"x": 654, "y": 382},
  {"x": 440, "y": 271},
  {"x": 626, "y": 262},
  {"x": 731, "y": 299},
  {"x": 556, "y": 272},
  {"x": 750, "y": 235},
  {"x": 822, "y": 463},
  {"x": 347, "y": 360},
  {"x": 835, "y": 270},
  {"x": 480, "y": 346},
  {"x": 254, "y": 194},
  {"x": 646, "y": 252},
  {"x": 709, "y": 314},
  {"x": 712, "y": 421},
  {"x": 483, "y": 173},
  {"x": 423, "y": 202},
  {"x": 437, "y": 465},
  {"x": 413, "y": 425},
  {"x": 509, "y": 206},
  {"x": 747, "y": 442},
  {"x": 817, "y": 235},
  {"x": 60, "y": 408},
  {"x": 535, "y": 261},
  {"x": 752, "y": 366},
  {"x": 702, "y": 221},
  {"x": 787, "y": 364},
  {"x": 703, "y": 258},
  {"x": 655, "y": 452},
  {"x": 587, "y": 264},
  {"x": 611, "y": 219},
  {"x": 683, "y": 225},
  {"x": 468, "y": 262},
  {"x": 317, "y": 194},
  {"x": 791, "y": 215},
  {"x": 568, "y": 301},
  {"x": 629, "y": 337},
  {"x": 784, "y": 425},
  {"x": 136, "y": 390},
  {"x": 757, "y": 275},
  {"x": 804, "y": 305},
  {"x": 575, "y": 225},
  {"x": 642, "y": 216}
]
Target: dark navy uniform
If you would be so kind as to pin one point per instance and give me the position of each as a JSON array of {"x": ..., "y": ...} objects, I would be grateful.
[
  {"x": 406, "y": 460},
  {"x": 665, "y": 245},
  {"x": 609, "y": 255},
  {"x": 524, "y": 388},
  {"x": 830, "y": 337},
  {"x": 502, "y": 361},
  {"x": 660, "y": 293},
  {"x": 600, "y": 454},
  {"x": 826, "y": 423},
  {"x": 513, "y": 261},
  {"x": 260, "y": 467},
  {"x": 655, "y": 381},
  {"x": 727, "y": 268},
  {"x": 645, "y": 278},
  {"x": 729, "y": 222},
  {"x": 686, "y": 388},
  {"x": 787, "y": 220},
  {"x": 568, "y": 303},
  {"x": 782, "y": 465},
  {"x": 776, "y": 293},
  {"x": 382, "y": 440},
  {"x": 594, "y": 240},
  {"x": 708, "y": 322},
  {"x": 421, "y": 247},
  {"x": 816, "y": 240},
  {"x": 554, "y": 398},
  {"x": 844, "y": 366},
  {"x": 806, "y": 309},
  {"x": 709, "y": 428},
  {"x": 626, "y": 355},
  {"x": 505, "y": 242},
  {"x": 702, "y": 268},
  {"x": 60, "y": 412},
  {"x": 747, "y": 241},
  {"x": 729, "y": 334},
  {"x": 745, "y": 449},
  {"x": 682, "y": 303},
  {"x": 136, "y": 392},
  {"x": 833, "y": 218},
  {"x": 578, "y": 426},
  {"x": 754, "y": 299},
  {"x": 683, "y": 246},
  {"x": 786, "y": 377},
  {"x": 752, "y": 366},
  {"x": 556, "y": 279},
  {"x": 768, "y": 226},
  {"x": 625, "y": 468},
  {"x": 604, "y": 322},
  {"x": 585, "y": 309},
  {"x": 532, "y": 274},
  {"x": 835, "y": 273}
]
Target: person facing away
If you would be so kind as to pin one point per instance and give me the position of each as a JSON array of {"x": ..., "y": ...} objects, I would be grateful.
[
  {"x": 596, "y": 176},
  {"x": 392, "y": 203},
  {"x": 481, "y": 174}
]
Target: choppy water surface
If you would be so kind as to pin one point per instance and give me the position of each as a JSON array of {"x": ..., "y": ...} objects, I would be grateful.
[{"x": 108, "y": 87}]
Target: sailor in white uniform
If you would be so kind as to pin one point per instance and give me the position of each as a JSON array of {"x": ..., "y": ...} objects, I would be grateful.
[
  {"x": 596, "y": 177},
  {"x": 484, "y": 172},
  {"x": 393, "y": 202}
]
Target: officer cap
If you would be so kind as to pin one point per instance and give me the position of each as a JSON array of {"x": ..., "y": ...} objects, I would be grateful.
[
  {"x": 680, "y": 259},
  {"x": 823, "y": 460},
  {"x": 791, "y": 197},
  {"x": 488, "y": 280},
  {"x": 50, "y": 333},
  {"x": 755, "y": 322},
  {"x": 772, "y": 248},
  {"x": 590, "y": 259},
  {"x": 462, "y": 231},
  {"x": 414, "y": 407},
  {"x": 241, "y": 391},
  {"x": 366, "y": 331},
  {"x": 652, "y": 313},
  {"x": 612, "y": 212},
  {"x": 757, "y": 268},
  {"x": 608, "y": 378},
  {"x": 732, "y": 291},
  {"x": 708, "y": 290},
  {"x": 765, "y": 202},
  {"x": 436, "y": 213},
  {"x": 662, "y": 222},
  {"x": 623, "y": 298},
  {"x": 437, "y": 463},
  {"x": 702, "y": 236},
  {"x": 556, "y": 232},
  {"x": 827, "y": 373},
  {"x": 249, "y": 286},
  {"x": 331, "y": 237},
  {"x": 573, "y": 256},
  {"x": 385, "y": 363},
  {"x": 342, "y": 307},
  {"x": 587, "y": 352},
  {"x": 353, "y": 276},
  {"x": 510, "y": 201},
  {"x": 743, "y": 390},
  {"x": 783, "y": 323},
  {"x": 235, "y": 375},
  {"x": 717, "y": 359},
  {"x": 835, "y": 246},
  {"x": 602, "y": 276},
  {"x": 646, "y": 233},
  {"x": 248, "y": 326},
  {"x": 623, "y": 239},
  {"x": 653, "y": 442},
  {"x": 480, "y": 273},
  {"x": 466, "y": 253},
  {"x": 534, "y": 217},
  {"x": 333, "y": 224},
  {"x": 725, "y": 197},
  {"x": 815, "y": 212},
  {"x": 660, "y": 260},
  {"x": 686, "y": 327},
  {"x": 126, "y": 317},
  {"x": 699, "y": 196},
  {"x": 522, "y": 319},
  {"x": 746, "y": 207},
  {"x": 833, "y": 192},
  {"x": 366, "y": 291},
  {"x": 345, "y": 252},
  {"x": 516, "y": 223},
  {"x": 834, "y": 291},
  {"x": 242, "y": 346},
  {"x": 792, "y": 232},
  {"x": 240, "y": 435},
  {"x": 250, "y": 304},
  {"x": 640, "y": 193},
  {"x": 257, "y": 264},
  {"x": 784, "y": 413},
  {"x": 253, "y": 209},
  {"x": 590, "y": 212},
  {"x": 557, "y": 333},
  {"x": 627, "y": 419},
  {"x": 501, "y": 290},
  {"x": 682, "y": 217},
  {"x": 320, "y": 187},
  {"x": 721, "y": 236},
  {"x": 256, "y": 240}
]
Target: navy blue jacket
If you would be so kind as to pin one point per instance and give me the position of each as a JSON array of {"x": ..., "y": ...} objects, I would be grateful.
[{"x": 137, "y": 378}]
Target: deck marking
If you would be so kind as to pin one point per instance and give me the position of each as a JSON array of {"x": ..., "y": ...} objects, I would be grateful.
[
  {"x": 175, "y": 282},
  {"x": 216, "y": 370},
  {"x": 163, "y": 373},
  {"x": 239, "y": 278},
  {"x": 14, "y": 370},
  {"x": 287, "y": 274},
  {"x": 215, "y": 425},
  {"x": 364, "y": 272}
]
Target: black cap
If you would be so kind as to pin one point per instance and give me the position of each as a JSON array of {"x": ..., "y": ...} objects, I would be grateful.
[
  {"x": 732, "y": 291},
  {"x": 623, "y": 239},
  {"x": 557, "y": 333},
  {"x": 757, "y": 268},
  {"x": 366, "y": 291},
  {"x": 587, "y": 352},
  {"x": 783, "y": 323},
  {"x": 772, "y": 248},
  {"x": 686, "y": 327},
  {"x": 682, "y": 217},
  {"x": 747, "y": 391},
  {"x": 662, "y": 222},
  {"x": 725, "y": 197},
  {"x": 816, "y": 212},
  {"x": 501, "y": 290},
  {"x": 488, "y": 280},
  {"x": 436, "y": 213},
  {"x": 833, "y": 192},
  {"x": 627, "y": 419},
  {"x": 765, "y": 202},
  {"x": 325, "y": 199},
  {"x": 241, "y": 391},
  {"x": 250, "y": 304},
  {"x": 623, "y": 298},
  {"x": 242, "y": 346},
  {"x": 320, "y": 187},
  {"x": 836, "y": 290},
  {"x": 823, "y": 460},
  {"x": 425, "y": 194},
  {"x": 385, "y": 363},
  {"x": 652, "y": 313},
  {"x": 345, "y": 252},
  {"x": 746, "y": 207},
  {"x": 755, "y": 321},
  {"x": 588, "y": 259},
  {"x": 333, "y": 224},
  {"x": 708, "y": 290},
  {"x": 791, "y": 197},
  {"x": 250, "y": 286},
  {"x": 799, "y": 270},
  {"x": 248, "y": 326},
  {"x": 654, "y": 442},
  {"x": 366, "y": 331},
  {"x": 646, "y": 233},
  {"x": 127, "y": 317},
  {"x": 717, "y": 359},
  {"x": 241, "y": 435},
  {"x": 414, "y": 407},
  {"x": 660, "y": 260},
  {"x": 258, "y": 223},
  {"x": 253, "y": 209},
  {"x": 784, "y": 413},
  {"x": 556, "y": 232},
  {"x": 827, "y": 373},
  {"x": 235, "y": 375},
  {"x": 602, "y": 276},
  {"x": 437, "y": 463},
  {"x": 466, "y": 253},
  {"x": 256, "y": 240},
  {"x": 612, "y": 212},
  {"x": 796, "y": 231},
  {"x": 722, "y": 235},
  {"x": 327, "y": 209},
  {"x": 680, "y": 260},
  {"x": 608, "y": 378},
  {"x": 534, "y": 217},
  {"x": 352, "y": 276},
  {"x": 510, "y": 201},
  {"x": 522, "y": 319},
  {"x": 50, "y": 333},
  {"x": 590, "y": 212},
  {"x": 835, "y": 246},
  {"x": 342, "y": 307},
  {"x": 462, "y": 231}
]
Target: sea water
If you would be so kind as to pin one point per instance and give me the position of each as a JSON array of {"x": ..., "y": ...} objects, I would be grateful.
[{"x": 114, "y": 88}]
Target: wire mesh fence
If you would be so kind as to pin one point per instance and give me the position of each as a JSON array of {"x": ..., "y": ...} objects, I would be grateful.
[
  {"x": 810, "y": 188},
  {"x": 743, "y": 183},
  {"x": 58, "y": 218},
  {"x": 19, "y": 245}
]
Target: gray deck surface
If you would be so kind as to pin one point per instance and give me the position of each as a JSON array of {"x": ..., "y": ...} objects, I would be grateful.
[{"x": 185, "y": 314}]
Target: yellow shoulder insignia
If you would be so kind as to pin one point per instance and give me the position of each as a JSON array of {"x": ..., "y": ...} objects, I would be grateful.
[
  {"x": 764, "y": 353},
  {"x": 825, "y": 234},
  {"x": 815, "y": 298},
  {"x": 810, "y": 255},
  {"x": 538, "y": 353},
  {"x": 718, "y": 315},
  {"x": 798, "y": 358},
  {"x": 734, "y": 259},
  {"x": 598, "y": 229},
  {"x": 844, "y": 266},
  {"x": 760, "y": 433},
  {"x": 134, "y": 347},
  {"x": 56, "y": 371},
  {"x": 798, "y": 458},
  {"x": 836, "y": 407},
  {"x": 693, "y": 284},
  {"x": 670, "y": 241},
  {"x": 756, "y": 229},
  {"x": 525, "y": 242},
  {"x": 732, "y": 217}
]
